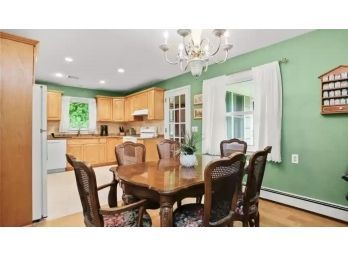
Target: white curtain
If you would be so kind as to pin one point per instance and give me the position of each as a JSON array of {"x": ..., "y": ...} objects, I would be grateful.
[
  {"x": 64, "y": 119},
  {"x": 214, "y": 128},
  {"x": 268, "y": 108},
  {"x": 64, "y": 125}
]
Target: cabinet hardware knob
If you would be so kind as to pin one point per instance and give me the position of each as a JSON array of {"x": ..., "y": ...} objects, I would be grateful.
[{"x": 341, "y": 108}]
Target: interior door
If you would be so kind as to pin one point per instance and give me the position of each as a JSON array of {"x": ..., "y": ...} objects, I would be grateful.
[{"x": 177, "y": 113}]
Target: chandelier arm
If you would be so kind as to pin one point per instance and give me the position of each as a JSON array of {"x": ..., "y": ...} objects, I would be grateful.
[
  {"x": 168, "y": 61},
  {"x": 217, "y": 50},
  {"x": 184, "y": 43},
  {"x": 224, "y": 60}
]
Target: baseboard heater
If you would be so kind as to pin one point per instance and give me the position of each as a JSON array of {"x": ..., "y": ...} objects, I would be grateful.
[{"x": 336, "y": 211}]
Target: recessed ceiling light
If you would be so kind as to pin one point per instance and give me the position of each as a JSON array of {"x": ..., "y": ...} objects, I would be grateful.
[
  {"x": 68, "y": 59},
  {"x": 59, "y": 75},
  {"x": 120, "y": 70},
  {"x": 102, "y": 81}
]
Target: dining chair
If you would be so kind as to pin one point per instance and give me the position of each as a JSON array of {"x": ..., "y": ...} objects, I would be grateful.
[
  {"x": 228, "y": 147},
  {"x": 94, "y": 216},
  {"x": 221, "y": 182},
  {"x": 130, "y": 153},
  {"x": 168, "y": 149},
  {"x": 247, "y": 210}
]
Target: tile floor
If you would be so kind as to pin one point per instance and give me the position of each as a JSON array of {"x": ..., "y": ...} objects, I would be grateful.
[{"x": 62, "y": 195}]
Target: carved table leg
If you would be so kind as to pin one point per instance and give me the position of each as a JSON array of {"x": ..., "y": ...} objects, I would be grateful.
[
  {"x": 127, "y": 198},
  {"x": 112, "y": 197},
  {"x": 166, "y": 213}
]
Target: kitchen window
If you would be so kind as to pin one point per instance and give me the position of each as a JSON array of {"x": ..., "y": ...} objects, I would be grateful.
[
  {"x": 240, "y": 111},
  {"x": 78, "y": 113}
]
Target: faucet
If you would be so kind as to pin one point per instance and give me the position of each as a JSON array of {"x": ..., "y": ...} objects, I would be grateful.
[{"x": 79, "y": 132}]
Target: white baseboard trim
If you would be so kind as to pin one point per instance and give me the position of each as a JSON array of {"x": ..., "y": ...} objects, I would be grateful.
[{"x": 336, "y": 211}]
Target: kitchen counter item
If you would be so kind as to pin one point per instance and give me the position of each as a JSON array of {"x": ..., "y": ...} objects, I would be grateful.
[{"x": 148, "y": 132}]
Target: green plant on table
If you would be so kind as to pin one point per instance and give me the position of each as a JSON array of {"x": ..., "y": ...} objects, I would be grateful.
[{"x": 189, "y": 146}]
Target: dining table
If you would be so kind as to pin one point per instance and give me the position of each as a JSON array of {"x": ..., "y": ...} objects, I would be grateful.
[{"x": 163, "y": 182}]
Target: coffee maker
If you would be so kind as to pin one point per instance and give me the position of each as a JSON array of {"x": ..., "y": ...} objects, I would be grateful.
[{"x": 104, "y": 130}]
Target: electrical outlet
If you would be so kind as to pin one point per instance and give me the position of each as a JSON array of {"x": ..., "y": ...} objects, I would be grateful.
[
  {"x": 194, "y": 129},
  {"x": 294, "y": 158}
]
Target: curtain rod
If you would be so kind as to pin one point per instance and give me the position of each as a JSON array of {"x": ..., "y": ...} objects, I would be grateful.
[{"x": 282, "y": 60}]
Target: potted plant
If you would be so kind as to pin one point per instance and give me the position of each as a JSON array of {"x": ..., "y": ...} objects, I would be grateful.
[{"x": 188, "y": 149}]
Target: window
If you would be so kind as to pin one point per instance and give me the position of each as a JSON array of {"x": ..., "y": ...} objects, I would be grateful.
[
  {"x": 78, "y": 114},
  {"x": 240, "y": 111}
]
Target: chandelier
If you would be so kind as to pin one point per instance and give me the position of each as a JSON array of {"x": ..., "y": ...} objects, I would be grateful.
[{"x": 194, "y": 53}]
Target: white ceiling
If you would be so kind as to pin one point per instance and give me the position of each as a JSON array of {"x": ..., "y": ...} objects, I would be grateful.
[{"x": 98, "y": 54}]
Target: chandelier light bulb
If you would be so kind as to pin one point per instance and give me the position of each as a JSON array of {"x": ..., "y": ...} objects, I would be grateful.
[
  {"x": 226, "y": 35},
  {"x": 196, "y": 36}
]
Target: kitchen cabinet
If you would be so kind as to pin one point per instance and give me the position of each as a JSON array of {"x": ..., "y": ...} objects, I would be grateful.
[
  {"x": 95, "y": 150},
  {"x": 129, "y": 108},
  {"x": 17, "y": 55},
  {"x": 155, "y": 104},
  {"x": 140, "y": 101},
  {"x": 104, "y": 108},
  {"x": 95, "y": 153},
  {"x": 151, "y": 148},
  {"x": 75, "y": 150},
  {"x": 118, "y": 109},
  {"x": 54, "y": 105},
  {"x": 110, "y": 148}
]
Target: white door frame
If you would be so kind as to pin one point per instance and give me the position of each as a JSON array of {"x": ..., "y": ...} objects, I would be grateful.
[{"x": 177, "y": 91}]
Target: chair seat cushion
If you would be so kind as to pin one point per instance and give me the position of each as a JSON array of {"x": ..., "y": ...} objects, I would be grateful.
[
  {"x": 188, "y": 215},
  {"x": 126, "y": 219}
]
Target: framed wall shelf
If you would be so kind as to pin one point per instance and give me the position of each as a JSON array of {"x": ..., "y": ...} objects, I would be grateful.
[{"x": 334, "y": 91}]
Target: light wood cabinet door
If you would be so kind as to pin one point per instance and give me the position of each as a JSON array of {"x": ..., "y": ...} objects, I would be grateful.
[
  {"x": 94, "y": 153},
  {"x": 110, "y": 148},
  {"x": 140, "y": 101},
  {"x": 54, "y": 105},
  {"x": 151, "y": 149},
  {"x": 76, "y": 151},
  {"x": 104, "y": 109},
  {"x": 118, "y": 109},
  {"x": 155, "y": 104},
  {"x": 129, "y": 107}
]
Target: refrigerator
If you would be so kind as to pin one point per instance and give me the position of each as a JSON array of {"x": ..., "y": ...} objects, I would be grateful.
[{"x": 39, "y": 152}]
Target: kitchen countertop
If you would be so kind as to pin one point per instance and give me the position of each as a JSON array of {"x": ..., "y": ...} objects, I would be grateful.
[{"x": 90, "y": 136}]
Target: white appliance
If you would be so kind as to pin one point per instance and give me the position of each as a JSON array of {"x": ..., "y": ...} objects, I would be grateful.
[
  {"x": 39, "y": 152},
  {"x": 148, "y": 132},
  {"x": 56, "y": 150}
]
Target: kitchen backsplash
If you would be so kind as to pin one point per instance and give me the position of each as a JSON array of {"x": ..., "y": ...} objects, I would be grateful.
[{"x": 113, "y": 128}]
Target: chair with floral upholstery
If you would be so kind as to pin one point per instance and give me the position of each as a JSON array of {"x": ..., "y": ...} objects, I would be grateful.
[
  {"x": 247, "y": 210},
  {"x": 221, "y": 182},
  {"x": 94, "y": 216},
  {"x": 234, "y": 145}
]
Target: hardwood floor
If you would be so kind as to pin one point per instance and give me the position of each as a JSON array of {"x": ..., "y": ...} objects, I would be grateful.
[{"x": 272, "y": 215}]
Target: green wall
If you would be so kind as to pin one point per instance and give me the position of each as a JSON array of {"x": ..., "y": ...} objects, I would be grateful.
[
  {"x": 321, "y": 141},
  {"x": 78, "y": 91}
]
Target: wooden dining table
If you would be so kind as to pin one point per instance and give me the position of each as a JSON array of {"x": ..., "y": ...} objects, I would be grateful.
[{"x": 163, "y": 182}]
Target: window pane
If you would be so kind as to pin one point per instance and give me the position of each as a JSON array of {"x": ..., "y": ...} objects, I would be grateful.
[
  {"x": 177, "y": 100},
  {"x": 182, "y": 115},
  {"x": 177, "y": 116},
  {"x": 182, "y": 130},
  {"x": 182, "y": 101},
  {"x": 78, "y": 115},
  {"x": 177, "y": 130},
  {"x": 171, "y": 103}
]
